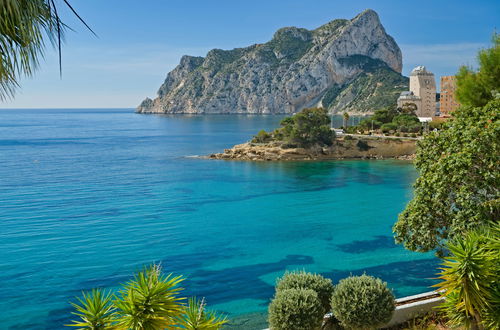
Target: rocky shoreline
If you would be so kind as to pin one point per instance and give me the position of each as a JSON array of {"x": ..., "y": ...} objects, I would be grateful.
[{"x": 345, "y": 147}]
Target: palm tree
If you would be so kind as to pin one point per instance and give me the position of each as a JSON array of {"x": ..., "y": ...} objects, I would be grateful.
[
  {"x": 24, "y": 27},
  {"x": 469, "y": 277},
  {"x": 346, "y": 118},
  {"x": 150, "y": 301},
  {"x": 195, "y": 317},
  {"x": 95, "y": 311}
]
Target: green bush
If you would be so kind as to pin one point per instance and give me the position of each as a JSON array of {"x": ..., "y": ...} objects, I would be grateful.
[
  {"x": 298, "y": 309},
  {"x": 362, "y": 302},
  {"x": 302, "y": 280},
  {"x": 397, "y": 134},
  {"x": 413, "y": 135},
  {"x": 348, "y": 137},
  {"x": 386, "y": 128},
  {"x": 261, "y": 137}
]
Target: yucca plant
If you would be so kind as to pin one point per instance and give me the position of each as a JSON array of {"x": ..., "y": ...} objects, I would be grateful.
[
  {"x": 470, "y": 278},
  {"x": 196, "y": 317},
  {"x": 95, "y": 311},
  {"x": 150, "y": 301}
]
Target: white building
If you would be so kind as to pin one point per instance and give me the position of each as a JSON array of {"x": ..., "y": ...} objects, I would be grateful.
[{"x": 422, "y": 92}]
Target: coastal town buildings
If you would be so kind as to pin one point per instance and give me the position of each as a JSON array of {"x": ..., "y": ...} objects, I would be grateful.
[
  {"x": 448, "y": 102},
  {"x": 422, "y": 92}
]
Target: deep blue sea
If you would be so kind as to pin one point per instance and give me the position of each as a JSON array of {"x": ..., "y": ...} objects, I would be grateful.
[{"x": 87, "y": 197}]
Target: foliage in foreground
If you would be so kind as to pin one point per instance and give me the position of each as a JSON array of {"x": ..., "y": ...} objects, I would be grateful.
[
  {"x": 150, "y": 301},
  {"x": 362, "y": 302},
  {"x": 303, "y": 280},
  {"x": 471, "y": 279},
  {"x": 298, "y": 309},
  {"x": 307, "y": 128},
  {"x": 458, "y": 186}
]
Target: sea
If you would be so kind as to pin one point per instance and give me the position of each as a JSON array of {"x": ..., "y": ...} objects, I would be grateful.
[{"x": 90, "y": 196}]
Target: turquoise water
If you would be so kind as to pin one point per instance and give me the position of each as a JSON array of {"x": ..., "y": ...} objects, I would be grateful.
[{"x": 89, "y": 196}]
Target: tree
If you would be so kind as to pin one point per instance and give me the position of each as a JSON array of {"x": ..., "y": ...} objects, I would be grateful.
[
  {"x": 346, "y": 119},
  {"x": 24, "y": 26},
  {"x": 149, "y": 301},
  {"x": 459, "y": 166},
  {"x": 470, "y": 277},
  {"x": 95, "y": 311},
  {"x": 458, "y": 186},
  {"x": 477, "y": 88},
  {"x": 309, "y": 127}
]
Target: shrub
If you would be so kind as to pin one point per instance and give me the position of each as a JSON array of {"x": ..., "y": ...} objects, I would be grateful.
[
  {"x": 386, "y": 128},
  {"x": 362, "y": 302},
  {"x": 397, "y": 134},
  {"x": 413, "y": 135},
  {"x": 261, "y": 137},
  {"x": 302, "y": 280},
  {"x": 348, "y": 137},
  {"x": 298, "y": 309}
]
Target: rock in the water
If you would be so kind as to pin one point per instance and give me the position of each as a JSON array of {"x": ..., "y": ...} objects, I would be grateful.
[{"x": 351, "y": 65}]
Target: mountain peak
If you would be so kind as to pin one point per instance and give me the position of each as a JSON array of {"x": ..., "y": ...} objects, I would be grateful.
[{"x": 295, "y": 69}]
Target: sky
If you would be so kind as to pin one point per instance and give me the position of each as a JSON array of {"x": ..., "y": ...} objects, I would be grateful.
[{"x": 139, "y": 42}]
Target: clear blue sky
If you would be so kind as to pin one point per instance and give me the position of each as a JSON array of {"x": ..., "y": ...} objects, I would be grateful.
[{"x": 140, "y": 41}]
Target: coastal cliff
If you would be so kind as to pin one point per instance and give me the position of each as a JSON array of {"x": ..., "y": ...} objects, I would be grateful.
[
  {"x": 344, "y": 65},
  {"x": 347, "y": 147}
]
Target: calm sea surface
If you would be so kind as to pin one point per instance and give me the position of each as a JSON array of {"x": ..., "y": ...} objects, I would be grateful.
[{"x": 89, "y": 196}]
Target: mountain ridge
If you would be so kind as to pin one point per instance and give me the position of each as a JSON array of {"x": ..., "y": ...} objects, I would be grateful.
[{"x": 297, "y": 68}]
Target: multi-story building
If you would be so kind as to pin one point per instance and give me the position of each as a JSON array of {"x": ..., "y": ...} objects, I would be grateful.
[
  {"x": 448, "y": 102},
  {"x": 422, "y": 92}
]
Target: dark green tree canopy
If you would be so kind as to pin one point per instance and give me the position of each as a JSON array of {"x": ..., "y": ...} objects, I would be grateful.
[
  {"x": 458, "y": 187},
  {"x": 477, "y": 88},
  {"x": 309, "y": 127}
]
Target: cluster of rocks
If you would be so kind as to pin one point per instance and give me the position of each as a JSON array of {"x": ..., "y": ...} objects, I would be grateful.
[{"x": 352, "y": 148}]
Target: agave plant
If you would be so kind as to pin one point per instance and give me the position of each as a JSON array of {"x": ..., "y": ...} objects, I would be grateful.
[
  {"x": 195, "y": 317},
  {"x": 470, "y": 277},
  {"x": 95, "y": 311},
  {"x": 150, "y": 301}
]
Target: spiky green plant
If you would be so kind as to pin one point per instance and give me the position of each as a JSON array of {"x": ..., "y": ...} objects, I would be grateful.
[
  {"x": 196, "y": 317},
  {"x": 24, "y": 27},
  {"x": 150, "y": 301},
  {"x": 95, "y": 311},
  {"x": 470, "y": 278}
]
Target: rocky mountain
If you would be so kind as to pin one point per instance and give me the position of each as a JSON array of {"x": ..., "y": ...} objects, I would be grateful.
[{"x": 344, "y": 65}]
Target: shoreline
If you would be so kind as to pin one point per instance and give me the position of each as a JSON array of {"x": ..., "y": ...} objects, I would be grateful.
[{"x": 344, "y": 147}]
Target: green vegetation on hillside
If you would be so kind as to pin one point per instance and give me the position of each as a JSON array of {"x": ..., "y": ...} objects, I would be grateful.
[
  {"x": 377, "y": 87},
  {"x": 307, "y": 128}
]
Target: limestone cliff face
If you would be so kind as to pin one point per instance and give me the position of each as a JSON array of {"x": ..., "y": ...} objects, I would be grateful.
[{"x": 296, "y": 69}]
